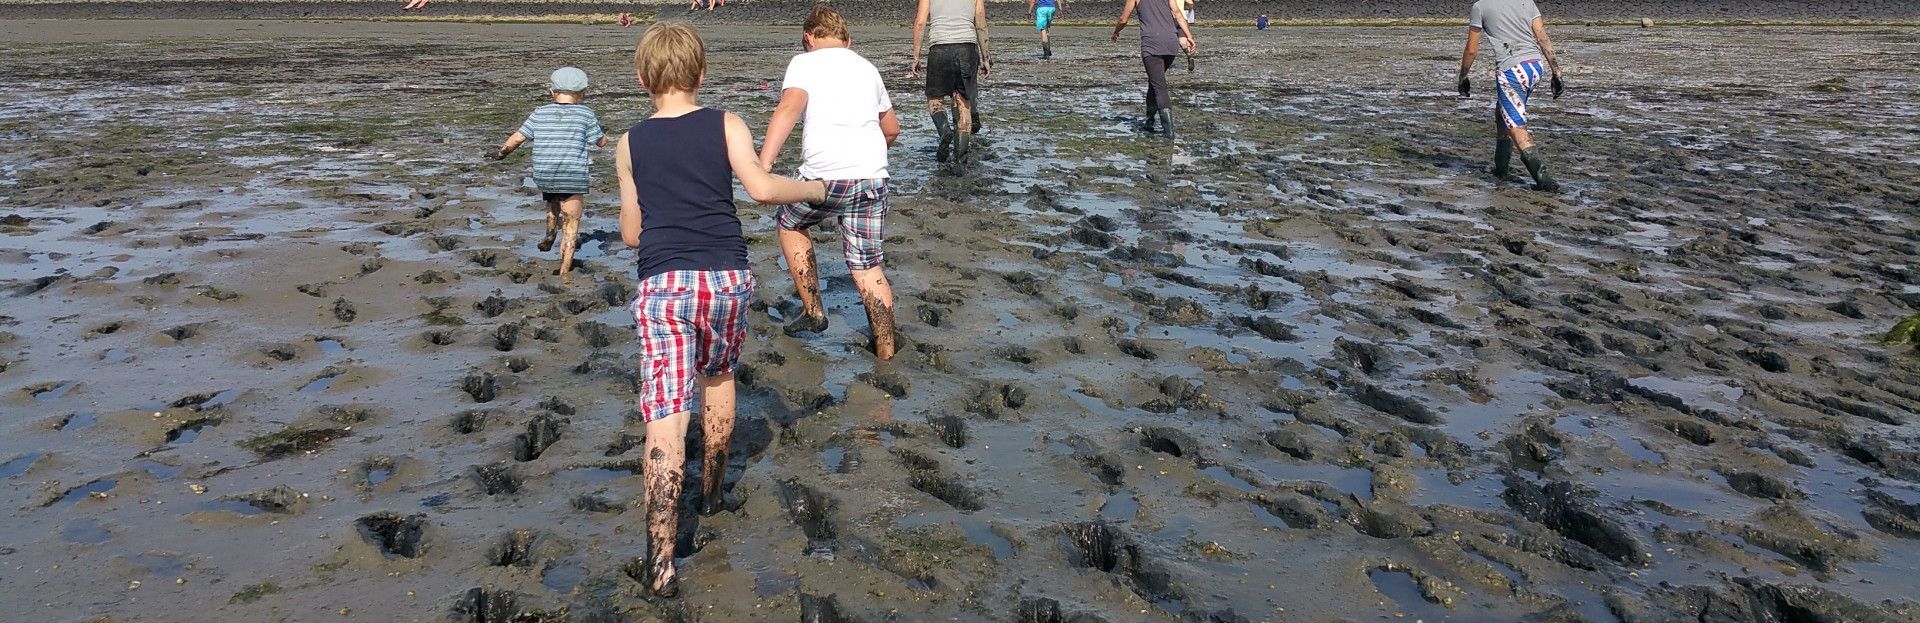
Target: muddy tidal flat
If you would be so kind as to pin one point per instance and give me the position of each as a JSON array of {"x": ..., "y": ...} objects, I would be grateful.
[{"x": 276, "y": 344}]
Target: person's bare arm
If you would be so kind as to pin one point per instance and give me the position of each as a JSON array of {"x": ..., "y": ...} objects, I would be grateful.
[
  {"x": 1186, "y": 35},
  {"x": 780, "y": 126},
  {"x": 1546, "y": 45},
  {"x": 890, "y": 126},
  {"x": 1126, "y": 15},
  {"x": 1030, "y": 6},
  {"x": 629, "y": 196},
  {"x": 919, "y": 30},
  {"x": 762, "y": 186},
  {"x": 1466, "y": 60},
  {"x": 513, "y": 142},
  {"x": 980, "y": 35}
]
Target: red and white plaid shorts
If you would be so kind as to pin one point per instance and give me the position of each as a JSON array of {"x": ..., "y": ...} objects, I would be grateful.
[
  {"x": 689, "y": 321},
  {"x": 860, "y": 206}
]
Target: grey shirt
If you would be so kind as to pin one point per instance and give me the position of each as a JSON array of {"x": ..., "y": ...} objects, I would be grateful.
[
  {"x": 950, "y": 21},
  {"x": 1506, "y": 27}
]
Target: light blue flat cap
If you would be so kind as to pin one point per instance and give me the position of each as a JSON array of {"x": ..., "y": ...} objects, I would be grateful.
[{"x": 569, "y": 79}]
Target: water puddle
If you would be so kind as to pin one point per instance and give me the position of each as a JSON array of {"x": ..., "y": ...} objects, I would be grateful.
[
  {"x": 1267, "y": 519},
  {"x": 236, "y": 507},
  {"x": 85, "y": 531},
  {"x": 19, "y": 465},
  {"x": 834, "y": 459},
  {"x": 319, "y": 385},
  {"x": 1120, "y": 506},
  {"x": 187, "y": 433},
  {"x": 1221, "y": 474},
  {"x": 565, "y": 575},
  {"x": 55, "y": 392},
  {"x": 379, "y": 475},
  {"x": 330, "y": 346},
  {"x": 115, "y": 355},
  {"x": 1400, "y": 588},
  {"x": 577, "y": 474},
  {"x": 158, "y": 470},
  {"x": 77, "y": 421},
  {"x": 980, "y": 532},
  {"x": 82, "y": 492}
]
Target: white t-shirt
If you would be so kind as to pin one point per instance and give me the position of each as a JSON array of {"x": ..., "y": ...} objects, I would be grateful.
[{"x": 845, "y": 96}]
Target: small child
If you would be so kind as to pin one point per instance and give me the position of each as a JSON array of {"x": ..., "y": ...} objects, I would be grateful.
[
  {"x": 562, "y": 133},
  {"x": 850, "y": 125},
  {"x": 676, "y": 207}
]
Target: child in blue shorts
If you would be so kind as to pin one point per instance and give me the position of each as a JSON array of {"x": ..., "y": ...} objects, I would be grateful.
[
  {"x": 1043, "y": 11},
  {"x": 562, "y": 133}
]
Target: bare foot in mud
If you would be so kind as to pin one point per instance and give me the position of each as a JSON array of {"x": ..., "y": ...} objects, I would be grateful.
[{"x": 805, "y": 324}]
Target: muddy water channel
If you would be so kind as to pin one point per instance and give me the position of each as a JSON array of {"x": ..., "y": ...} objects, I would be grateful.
[{"x": 277, "y": 344}]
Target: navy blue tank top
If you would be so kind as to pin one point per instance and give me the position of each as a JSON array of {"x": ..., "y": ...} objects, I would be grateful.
[{"x": 685, "y": 184}]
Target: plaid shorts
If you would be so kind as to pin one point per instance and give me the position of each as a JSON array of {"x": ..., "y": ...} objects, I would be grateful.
[
  {"x": 689, "y": 321},
  {"x": 861, "y": 206},
  {"x": 1515, "y": 87}
]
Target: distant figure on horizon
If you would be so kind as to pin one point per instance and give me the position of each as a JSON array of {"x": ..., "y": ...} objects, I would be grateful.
[
  {"x": 676, "y": 207},
  {"x": 414, "y": 5},
  {"x": 1518, "y": 35},
  {"x": 849, "y": 126},
  {"x": 563, "y": 135},
  {"x": 1163, "y": 33},
  {"x": 1260, "y": 23},
  {"x": 625, "y": 20},
  {"x": 1042, "y": 12},
  {"x": 957, "y": 57},
  {"x": 711, "y": 4},
  {"x": 1186, "y": 9}
]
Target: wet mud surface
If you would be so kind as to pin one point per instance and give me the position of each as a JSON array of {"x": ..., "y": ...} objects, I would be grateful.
[{"x": 277, "y": 345}]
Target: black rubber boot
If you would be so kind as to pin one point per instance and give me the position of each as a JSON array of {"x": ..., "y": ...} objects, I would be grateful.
[
  {"x": 1503, "y": 159},
  {"x": 962, "y": 144},
  {"x": 1146, "y": 123},
  {"x": 1046, "y": 49},
  {"x": 1537, "y": 167},
  {"x": 1166, "y": 122},
  {"x": 943, "y": 124}
]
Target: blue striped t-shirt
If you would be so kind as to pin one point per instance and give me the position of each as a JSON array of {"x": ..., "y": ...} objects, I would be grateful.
[{"x": 561, "y": 135}]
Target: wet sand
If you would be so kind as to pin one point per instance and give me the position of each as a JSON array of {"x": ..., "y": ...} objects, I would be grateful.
[{"x": 276, "y": 344}]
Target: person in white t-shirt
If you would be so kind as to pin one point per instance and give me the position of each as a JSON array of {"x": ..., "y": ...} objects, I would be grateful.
[{"x": 850, "y": 125}]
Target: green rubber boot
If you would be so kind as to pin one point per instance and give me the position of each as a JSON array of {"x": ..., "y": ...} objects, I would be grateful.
[
  {"x": 1537, "y": 167},
  {"x": 1166, "y": 122},
  {"x": 943, "y": 124},
  {"x": 1503, "y": 159}
]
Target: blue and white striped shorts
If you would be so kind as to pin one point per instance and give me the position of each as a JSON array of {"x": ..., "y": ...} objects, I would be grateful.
[{"x": 1515, "y": 86}]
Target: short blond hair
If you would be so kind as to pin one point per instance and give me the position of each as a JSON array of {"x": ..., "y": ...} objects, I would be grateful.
[
  {"x": 670, "y": 57},
  {"x": 826, "y": 23}
]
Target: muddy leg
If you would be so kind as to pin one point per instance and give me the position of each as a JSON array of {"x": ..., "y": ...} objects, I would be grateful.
[
  {"x": 806, "y": 280},
  {"x": 664, "y": 471},
  {"x": 553, "y": 218},
  {"x": 570, "y": 210},
  {"x": 877, "y": 294},
  {"x": 963, "y": 128},
  {"x": 716, "y": 420}
]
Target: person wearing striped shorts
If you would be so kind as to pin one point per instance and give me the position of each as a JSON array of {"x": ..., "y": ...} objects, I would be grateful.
[{"x": 1523, "y": 55}]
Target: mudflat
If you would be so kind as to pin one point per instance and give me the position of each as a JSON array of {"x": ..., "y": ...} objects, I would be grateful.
[{"x": 275, "y": 342}]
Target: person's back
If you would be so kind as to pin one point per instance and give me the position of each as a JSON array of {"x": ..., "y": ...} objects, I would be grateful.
[
  {"x": 1507, "y": 25},
  {"x": 842, "y": 138},
  {"x": 681, "y": 173},
  {"x": 949, "y": 21},
  {"x": 562, "y": 135}
]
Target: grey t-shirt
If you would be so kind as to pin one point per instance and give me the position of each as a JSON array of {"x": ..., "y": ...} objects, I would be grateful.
[
  {"x": 1506, "y": 27},
  {"x": 950, "y": 21}
]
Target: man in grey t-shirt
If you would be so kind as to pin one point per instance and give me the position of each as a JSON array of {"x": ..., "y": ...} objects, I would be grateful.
[{"x": 1522, "y": 55}]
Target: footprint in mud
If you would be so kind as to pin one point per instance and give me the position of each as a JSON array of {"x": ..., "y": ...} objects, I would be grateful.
[
  {"x": 925, "y": 474},
  {"x": 1137, "y": 350},
  {"x": 315, "y": 290},
  {"x": 616, "y": 294},
  {"x": 497, "y": 479},
  {"x": 443, "y": 242},
  {"x": 281, "y": 352},
  {"x": 1171, "y": 442},
  {"x": 514, "y": 549},
  {"x": 813, "y": 512},
  {"x": 988, "y": 399},
  {"x": 344, "y": 310},
  {"x": 1268, "y": 327},
  {"x": 815, "y": 609},
  {"x": 1396, "y": 405},
  {"x": 481, "y": 605},
  {"x": 484, "y": 258},
  {"x": 1100, "y": 546},
  {"x": 440, "y": 337},
  {"x": 429, "y": 277},
  {"x": 894, "y": 385},
  {"x": 506, "y": 336},
  {"x": 494, "y": 305},
  {"x": 473, "y": 420},
  {"x": 556, "y": 405},
  {"x": 279, "y": 500},
  {"x": 1560, "y": 507},
  {"x": 106, "y": 329},
  {"x": 183, "y": 332},
  {"x": 395, "y": 535},
  {"x": 596, "y": 334},
  {"x": 542, "y": 432},
  {"x": 588, "y": 503},
  {"x": 375, "y": 471},
  {"x": 293, "y": 441},
  {"x": 951, "y": 429},
  {"x": 483, "y": 387}
]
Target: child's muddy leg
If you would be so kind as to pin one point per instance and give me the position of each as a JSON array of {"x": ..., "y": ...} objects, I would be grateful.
[
  {"x": 877, "y": 295},
  {"x": 716, "y": 420},
  {"x": 806, "y": 280},
  {"x": 664, "y": 472},
  {"x": 571, "y": 210},
  {"x": 553, "y": 219}
]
